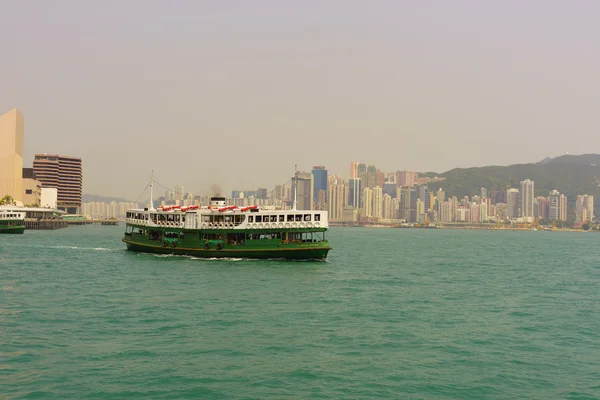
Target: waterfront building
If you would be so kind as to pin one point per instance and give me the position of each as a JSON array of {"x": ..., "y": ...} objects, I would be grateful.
[
  {"x": 584, "y": 208},
  {"x": 354, "y": 192},
  {"x": 445, "y": 213},
  {"x": 338, "y": 191},
  {"x": 32, "y": 189},
  {"x": 424, "y": 196},
  {"x": 527, "y": 198},
  {"x": 420, "y": 211},
  {"x": 367, "y": 206},
  {"x": 377, "y": 202},
  {"x": 512, "y": 203},
  {"x": 11, "y": 154},
  {"x": 64, "y": 173},
  {"x": 557, "y": 206},
  {"x": 441, "y": 198}
]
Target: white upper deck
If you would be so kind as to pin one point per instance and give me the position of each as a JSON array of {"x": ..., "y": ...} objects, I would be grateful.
[
  {"x": 11, "y": 213},
  {"x": 220, "y": 216}
]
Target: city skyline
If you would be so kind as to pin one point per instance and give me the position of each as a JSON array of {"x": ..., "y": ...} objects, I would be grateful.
[{"x": 412, "y": 86}]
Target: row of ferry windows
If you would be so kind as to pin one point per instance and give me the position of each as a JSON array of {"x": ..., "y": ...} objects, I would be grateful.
[
  {"x": 157, "y": 217},
  {"x": 11, "y": 216},
  {"x": 281, "y": 218}
]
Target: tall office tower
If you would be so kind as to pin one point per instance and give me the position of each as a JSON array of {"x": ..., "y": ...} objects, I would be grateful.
[
  {"x": 179, "y": 192},
  {"x": 361, "y": 173},
  {"x": 367, "y": 206},
  {"x": 11, "y": 154},
  {"x": 387, "y": 207},
  {"x": 320, "y": 183},
  {"x": 304, "y": 195},
  {"x": 584, "y": 208},
  {"x": 424, "y": 195},
  {"x": 563, "y": 208},
  {"x": 353, "y": 169},
  {"x": 371, "y": 176},
  {"x": 354, "y": 192},
  {"x": 380, "y": 178},
  {"x": 441, "y": 198},
  {"x": 589, "y": 206},
  {"x": 527, "y": 198},
  {"x": 377, "y": 202},
  {"x": 413, "y": 204},
  {"x": 405, "y": 203},
  {"x": 557, "y": 207},
  {"x": 63, "y": 173},
  {"x": 334, "y": 207},
  {"x": 512, "y": 203}
]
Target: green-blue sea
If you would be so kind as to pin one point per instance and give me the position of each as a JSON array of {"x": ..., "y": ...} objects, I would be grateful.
[{"x": 392, "y": 313}]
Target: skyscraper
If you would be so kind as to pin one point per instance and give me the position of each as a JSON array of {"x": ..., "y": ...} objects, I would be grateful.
[
  {"x": 320, "y": 182},
  {"x": 304, "y": 194},
  {"x": 512, "y": 203},
  {"x": 63, "y": 173},
  {"x": 527, "y": 199},
  {"x": 354, "y": 192},
  {"x": 557, "y": 206},
  {"x": 377, "y": 202},
  {"x": 11, "y": 154},
  {"x": 361, "y": 173},
  {"x": 371, "y": 176}
]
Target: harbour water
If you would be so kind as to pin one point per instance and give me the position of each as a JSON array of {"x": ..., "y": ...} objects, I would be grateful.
[{"x": 392, "y": 313}]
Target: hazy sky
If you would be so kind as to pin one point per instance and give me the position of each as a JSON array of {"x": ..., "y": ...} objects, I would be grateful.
[{"x": 237, "y": 92}]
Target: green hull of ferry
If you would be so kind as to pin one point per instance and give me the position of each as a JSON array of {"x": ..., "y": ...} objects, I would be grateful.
[
  {"x": 12, "y": 229},
  {"x": 289, "y": 244}
]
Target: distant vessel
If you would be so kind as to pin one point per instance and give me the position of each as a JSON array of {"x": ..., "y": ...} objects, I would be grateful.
[
  {"x": 219, "y": 231},
  {"x": 12, "y": 219}
]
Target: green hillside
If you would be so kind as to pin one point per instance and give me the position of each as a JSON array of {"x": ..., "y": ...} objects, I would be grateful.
[{"x": 569, "y": 174}]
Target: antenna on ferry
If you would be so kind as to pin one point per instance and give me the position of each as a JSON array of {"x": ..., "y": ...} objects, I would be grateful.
[
  {"x": 295, "y": 185},
  {"x": 151, "y": 208}
]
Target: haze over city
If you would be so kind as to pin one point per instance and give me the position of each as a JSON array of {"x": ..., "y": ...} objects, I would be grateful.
[{"x": 237, "y": 93}]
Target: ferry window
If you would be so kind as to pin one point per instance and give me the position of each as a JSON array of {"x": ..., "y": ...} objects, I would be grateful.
[
  {"x": 317, "y": 217},
  {"x": 273, "y": 218},
  {"x": 307, "y": 217},
  {"x": 259, "y": 218},
  {"x": 251, "y": 218},
  {"x": 298, "y": 217},
  {"x": 282, "y": 218},
  {"x": 290, "y": 217}
]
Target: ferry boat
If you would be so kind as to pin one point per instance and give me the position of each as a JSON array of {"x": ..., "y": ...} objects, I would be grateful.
[
  {"x": 12, "y": 219},
  {"x": 221, "y": 231}
]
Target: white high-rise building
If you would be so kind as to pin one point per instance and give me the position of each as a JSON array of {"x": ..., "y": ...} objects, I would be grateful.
[
  {"x": 377, "y": 202},
  {"x": 527, "y": 198}
]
